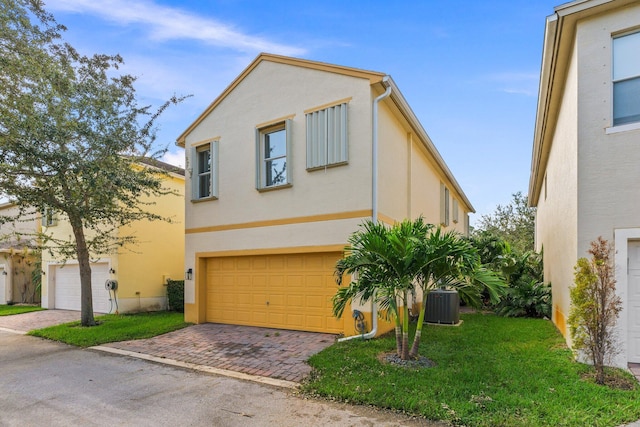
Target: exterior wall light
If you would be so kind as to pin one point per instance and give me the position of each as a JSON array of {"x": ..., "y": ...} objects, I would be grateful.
[{"x": 189, "y": 274}]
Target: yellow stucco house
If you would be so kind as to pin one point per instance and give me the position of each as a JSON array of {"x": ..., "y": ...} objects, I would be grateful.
[
  {"x": 17, "y": 258},
  {"x": 281, "y": 168},
  {"x": 141, "y": 270},
  {"x": 584, "y": 172}
]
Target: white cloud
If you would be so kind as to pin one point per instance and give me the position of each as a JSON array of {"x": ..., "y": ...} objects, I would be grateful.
[
  {"x": 175, "y": 158},
  {"x": 517, "y": 83},
  {"x": 167, "y": 23}
]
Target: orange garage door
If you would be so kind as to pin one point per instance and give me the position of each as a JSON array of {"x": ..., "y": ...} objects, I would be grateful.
[{"x": 289, "y": 291}]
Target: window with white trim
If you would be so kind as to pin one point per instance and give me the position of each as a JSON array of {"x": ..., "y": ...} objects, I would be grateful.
[
  {"x": 327, "y": 137},
  {"x": 626, "y": 79},
  {"x": 49, "y": 218},
  {"x": 444, "y": 205},
  {"x": 273, "y": 152},
  {"x": 204, "y": 176}
]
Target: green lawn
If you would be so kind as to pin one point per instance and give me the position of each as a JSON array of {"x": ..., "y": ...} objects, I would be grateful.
[
  {"x": 490, "y": 371},
  {"x": 114, "y": 327},
  {"x": 8, "y": 310}
]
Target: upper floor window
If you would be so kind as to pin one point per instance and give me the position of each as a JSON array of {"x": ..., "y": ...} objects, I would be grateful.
[
  {"x": 273, "y": 147},
  {"x": 626, "y": 79},
  {"x": 49, "y": 218},
  {"x": 327, "y": 142},
  {"x": 204, "y": 179}
]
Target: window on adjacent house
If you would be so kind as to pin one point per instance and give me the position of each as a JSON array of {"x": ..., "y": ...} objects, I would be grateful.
[
  {"x": 204, "y": 179},
  {"x": 327, "y": 137},
  {"x": 273, "y": 147},
  {"x": 444, "y": 205},
  {"x": 626, "y": 79},
  {"x": 49, "y": 218}
]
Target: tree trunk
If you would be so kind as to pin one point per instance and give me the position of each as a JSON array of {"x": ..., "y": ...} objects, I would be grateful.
[
  {"x": 394, "y": 308},
  {"x": 405, "y": 328},
  {"x": 86, "y": 298},
  {"x": 416, "y": 340}
]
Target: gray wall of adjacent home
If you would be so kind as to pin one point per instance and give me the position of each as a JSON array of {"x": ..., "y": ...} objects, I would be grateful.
[{"x": 609, "y": 161}]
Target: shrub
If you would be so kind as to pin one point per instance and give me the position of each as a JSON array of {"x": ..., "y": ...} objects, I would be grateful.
[
  {"x": 595, "y": 306},
  {"x": 175, "y": 295},
  {"x": 526, "y": 298}
]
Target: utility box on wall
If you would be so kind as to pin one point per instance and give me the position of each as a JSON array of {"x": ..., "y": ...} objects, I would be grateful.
[{"x": 443, "y": 306}]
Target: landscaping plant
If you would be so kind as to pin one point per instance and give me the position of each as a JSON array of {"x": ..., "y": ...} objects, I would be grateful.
[
  {"x": 595, "y": 306},
  {"x": 388, "y": 263}
]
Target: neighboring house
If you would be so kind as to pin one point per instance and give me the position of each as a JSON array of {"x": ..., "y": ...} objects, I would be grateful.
[
  {"x": 141, "y": 270},
  {"x": 585, "y": 172},
  {"x": 17, "y": 258},
  {"x": 282, "y": 167}
]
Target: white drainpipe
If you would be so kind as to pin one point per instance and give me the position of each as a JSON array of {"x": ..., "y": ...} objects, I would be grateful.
[{"x": 374, "y": 198}]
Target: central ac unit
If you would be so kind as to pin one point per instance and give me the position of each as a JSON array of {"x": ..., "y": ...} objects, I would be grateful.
[{"x": 443, "y": 306}]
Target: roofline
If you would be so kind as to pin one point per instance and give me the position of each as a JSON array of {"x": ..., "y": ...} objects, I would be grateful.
[
  {"x": 403, "y": 106},
  {"x": 559, "y": 34},
  {"x": 372, "y": 76}
]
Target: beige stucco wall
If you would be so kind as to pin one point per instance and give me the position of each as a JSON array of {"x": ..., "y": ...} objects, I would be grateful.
[
  {"x": 608, "y": 163},
  {"x": 409, "y": 180},
  {"x": 272, "y": 91},
  {"x": 556, "y": 217}
]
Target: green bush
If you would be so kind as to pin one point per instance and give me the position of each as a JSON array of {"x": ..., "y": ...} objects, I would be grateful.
[{"x": 175, "y": 295}]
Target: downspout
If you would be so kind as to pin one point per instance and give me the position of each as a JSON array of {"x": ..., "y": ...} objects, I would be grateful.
[{"x": 374, "y": 197}]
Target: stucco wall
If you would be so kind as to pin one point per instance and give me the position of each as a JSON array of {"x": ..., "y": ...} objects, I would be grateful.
[
  {"x": 556, "y": 218},
  {"x": 272, "y": 91},
  {"x": 608, "y": 163},
  {"x": 142, "y": 269}
]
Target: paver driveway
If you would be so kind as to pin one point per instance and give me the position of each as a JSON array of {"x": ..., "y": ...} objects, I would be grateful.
[{"x": 264, "y": 352}]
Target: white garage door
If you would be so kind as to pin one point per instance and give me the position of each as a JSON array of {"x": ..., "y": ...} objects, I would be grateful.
[
  {"x": 634, "y": 302},
  {"x": 67, "y": 287}
]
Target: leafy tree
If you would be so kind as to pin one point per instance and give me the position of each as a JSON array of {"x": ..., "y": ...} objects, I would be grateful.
[
  {"x": 527, "y": 294},
  {"x": 390, "y": 261},
  {"x": 595, "y": 306},
  {"x": 71, "y": 138},
  {"x": 514, "y": 223}
]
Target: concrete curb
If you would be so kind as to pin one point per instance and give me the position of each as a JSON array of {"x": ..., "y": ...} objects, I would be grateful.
[
  {"x": 13, "y": 331},
  {"x": 208, "y": 369}
]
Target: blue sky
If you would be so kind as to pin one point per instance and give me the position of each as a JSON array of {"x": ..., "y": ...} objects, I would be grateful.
[{"x": 468, "y": 69}]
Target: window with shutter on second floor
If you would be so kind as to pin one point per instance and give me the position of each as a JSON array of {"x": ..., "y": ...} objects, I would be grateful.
[
  {"x": 205, "y": 171},
  {"x": 626, "y": 79},
  {"x": 327, "y": 137}
]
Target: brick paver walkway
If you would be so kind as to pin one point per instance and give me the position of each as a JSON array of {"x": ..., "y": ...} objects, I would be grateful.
[
  {"x": 26, "y": 322},
  {"x": 265, "y": 352}
]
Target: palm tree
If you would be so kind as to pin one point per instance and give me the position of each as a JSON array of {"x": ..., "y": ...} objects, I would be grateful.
[
  {"x": 384, "y": 266},
  {"x": 450, "y": 261},
  {"x": 387, "y": 263}
]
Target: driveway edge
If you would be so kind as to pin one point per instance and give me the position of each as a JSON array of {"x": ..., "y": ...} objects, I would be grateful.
[{"x": 208, "y": 369}]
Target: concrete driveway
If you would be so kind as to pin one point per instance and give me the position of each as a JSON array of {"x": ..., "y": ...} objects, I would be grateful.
[{"x": 53, "y": 384}]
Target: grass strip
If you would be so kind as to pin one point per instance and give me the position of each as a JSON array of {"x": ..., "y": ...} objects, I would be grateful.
[
  {"x": 113, "y": 328},
  {"x": 8, "y": 310}
]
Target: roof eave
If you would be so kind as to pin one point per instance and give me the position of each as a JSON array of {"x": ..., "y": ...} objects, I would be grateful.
[{"x": 372, "y": 76}]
